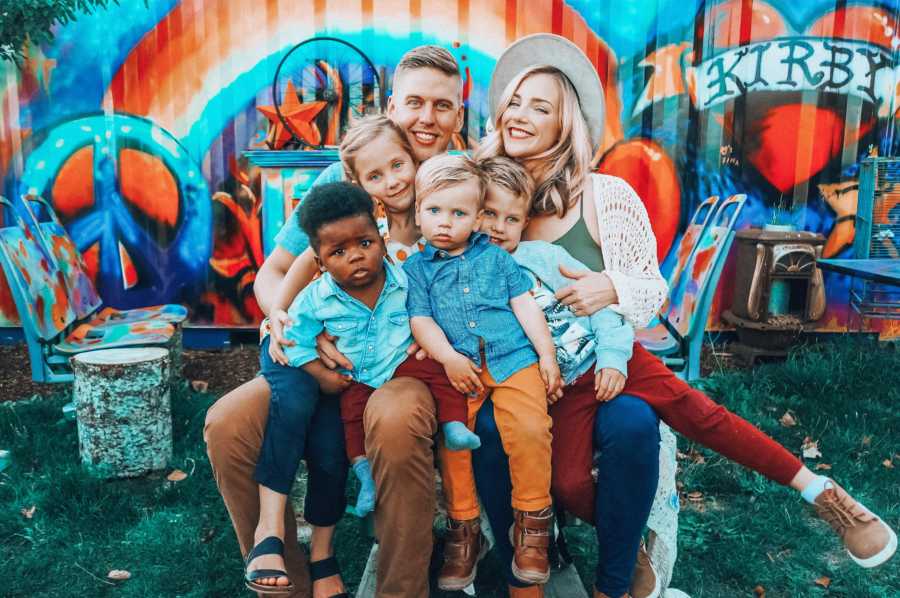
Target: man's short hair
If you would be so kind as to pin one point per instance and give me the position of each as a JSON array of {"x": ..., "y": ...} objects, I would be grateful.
[
  {"x": 510, "y": 175},
  {"x": 448, "y": 170},
  {"x": 331, "y": 202},
  {"x": 428, "y": 57}
]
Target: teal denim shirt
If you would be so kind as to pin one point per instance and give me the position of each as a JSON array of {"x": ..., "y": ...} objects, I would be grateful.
[
  {"x": 374, "y": 340},
  {"x": 604, "y": 337}
]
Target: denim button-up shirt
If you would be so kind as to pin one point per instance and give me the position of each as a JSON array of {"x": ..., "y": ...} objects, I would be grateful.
[
  {"x": 374, "y": 340},
  {"x": 468, "y": 296}
]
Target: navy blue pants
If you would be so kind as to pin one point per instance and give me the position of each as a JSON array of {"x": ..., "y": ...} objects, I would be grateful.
[
  {"x": 626, "y": 432},
  {"x": 303, "y": 424}
]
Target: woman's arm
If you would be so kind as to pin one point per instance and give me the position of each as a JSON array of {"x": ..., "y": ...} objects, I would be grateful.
[{"x": 531, "y": 317}]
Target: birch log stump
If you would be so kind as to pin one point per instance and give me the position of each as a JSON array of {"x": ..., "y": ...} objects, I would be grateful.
[{"x": 123, "y": 409}]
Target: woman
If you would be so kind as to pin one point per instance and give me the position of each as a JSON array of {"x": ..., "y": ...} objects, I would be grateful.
[{"x": 540, "y": 121}]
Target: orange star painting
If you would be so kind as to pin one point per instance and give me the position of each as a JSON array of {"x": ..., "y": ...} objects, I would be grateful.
[{"x": 298, "y": 115}]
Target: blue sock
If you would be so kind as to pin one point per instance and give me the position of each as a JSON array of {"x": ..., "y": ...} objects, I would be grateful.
[
  {"x": 814, "y": 489},
  {"x": 457, "y": 437},
  {"x": 365, "y": 502}
]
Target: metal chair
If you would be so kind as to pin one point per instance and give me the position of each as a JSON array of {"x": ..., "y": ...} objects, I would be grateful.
[
  {"x": 52, "y": 330},
  {"x": 677, "y": 337}
]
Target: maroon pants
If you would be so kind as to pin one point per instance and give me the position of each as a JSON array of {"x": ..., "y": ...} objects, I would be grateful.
[
  {"x": 686, "y": 410},
  {"x": 450, "y": 403}
]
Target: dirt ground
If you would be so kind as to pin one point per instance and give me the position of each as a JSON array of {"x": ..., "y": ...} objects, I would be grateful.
[{"x": 222, "y": 370}]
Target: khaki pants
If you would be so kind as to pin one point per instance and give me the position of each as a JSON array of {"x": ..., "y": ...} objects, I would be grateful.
[
  {"x": 400, "y": 424},
  {"x": 520, "y": 409}
]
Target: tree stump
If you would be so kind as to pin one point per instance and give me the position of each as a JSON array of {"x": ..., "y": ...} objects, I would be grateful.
[{"x": 123, "y": 409}]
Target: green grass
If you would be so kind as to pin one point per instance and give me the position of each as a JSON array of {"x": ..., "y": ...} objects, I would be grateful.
[{"x": 176, "y": 540}]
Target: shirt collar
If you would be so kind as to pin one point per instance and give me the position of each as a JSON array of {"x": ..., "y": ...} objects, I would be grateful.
[
  {"x": 476, "y": 240},
  {"x": 394, "y": 279}
]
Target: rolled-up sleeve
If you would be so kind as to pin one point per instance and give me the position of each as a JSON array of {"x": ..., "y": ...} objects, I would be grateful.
[{"x": 303, "y": 330}]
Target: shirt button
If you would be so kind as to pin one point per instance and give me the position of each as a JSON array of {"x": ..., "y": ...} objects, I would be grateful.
[
  {"x": 462, "y": 257},
  {"x": 371, "y": 346},
  {"x": 465, "y": 289},
  {"x": 471, "y": 324}
]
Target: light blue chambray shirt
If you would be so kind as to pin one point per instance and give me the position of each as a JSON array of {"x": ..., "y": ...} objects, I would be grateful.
[
  {"x": 468, "y": 296},
  {"x": 291, "y": 237},
  {"x": 604, "y": 338},
  {"x": 374, "y": 340}
]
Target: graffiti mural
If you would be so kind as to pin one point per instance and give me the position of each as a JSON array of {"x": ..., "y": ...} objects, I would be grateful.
[{"x": 134, "y": 122}]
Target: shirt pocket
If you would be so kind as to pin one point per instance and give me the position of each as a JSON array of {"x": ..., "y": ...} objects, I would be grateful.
[
  {"x": 492, "y": 288},
  {"x": 341, "y": 327}
]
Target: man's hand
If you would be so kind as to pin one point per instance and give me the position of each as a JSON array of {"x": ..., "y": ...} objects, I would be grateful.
[
  {"x": 278, "y": 321},
  {"x": 608, "y": 383},
  {"x": 552, "y": 379},
  {"x": 329, "y": 354},
  {"x": 333, "y": 383},
  {"x": 463, "y": 374}
]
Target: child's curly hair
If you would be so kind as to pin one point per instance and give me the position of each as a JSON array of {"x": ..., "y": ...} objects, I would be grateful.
[{"x": 328, "y": 203}]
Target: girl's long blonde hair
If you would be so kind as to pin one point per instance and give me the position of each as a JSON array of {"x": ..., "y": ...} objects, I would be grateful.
[
  {"x": 365, "y": 131},
  {"x": 562, "y": 169}
]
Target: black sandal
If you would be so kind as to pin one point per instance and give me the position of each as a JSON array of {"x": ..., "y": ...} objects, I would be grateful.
[
  {"x": 326, "y": 568},
  {"x": 270, "y": 545}
]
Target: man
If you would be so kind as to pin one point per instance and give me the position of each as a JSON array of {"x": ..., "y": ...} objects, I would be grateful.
[{"x": 400, "y": 418}]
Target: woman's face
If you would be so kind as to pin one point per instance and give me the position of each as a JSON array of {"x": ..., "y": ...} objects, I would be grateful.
[{"x": 531, "y": 123}]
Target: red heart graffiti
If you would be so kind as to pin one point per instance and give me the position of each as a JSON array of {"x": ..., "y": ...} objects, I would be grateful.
[{"x": 789, "y": 141}]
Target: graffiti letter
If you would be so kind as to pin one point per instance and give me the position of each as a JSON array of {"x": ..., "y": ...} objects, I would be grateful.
[
  {"x": 833, "y": 65},
  {"x": 721, "y": 80},
  {"x": 792, "y": 60},
  {"x": 874, "y": 67},
  {"x": 759, "y": 50}
]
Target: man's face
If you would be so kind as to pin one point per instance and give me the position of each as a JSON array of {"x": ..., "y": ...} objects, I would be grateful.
[{"x": 427, "y": 105}]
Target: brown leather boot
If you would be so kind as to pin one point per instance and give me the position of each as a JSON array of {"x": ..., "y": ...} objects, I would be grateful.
[
  {"x": 529, "y": 592},
  {"x": 530, "y": 537},
  {"x": 464, "y": 546}
]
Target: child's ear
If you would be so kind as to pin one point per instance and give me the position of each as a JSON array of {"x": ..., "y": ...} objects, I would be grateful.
[{"x": 319, "y": 264}]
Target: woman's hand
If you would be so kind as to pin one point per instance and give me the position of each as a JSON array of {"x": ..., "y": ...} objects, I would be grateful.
[
  {"x": 589, "y": 293},
  {"x": 552, "y": 379},
  {"x": 328, "y": 352},
  {"x": 463, "y": 374},
  {"x": 278, "y": 321},
  {"x": 608, "y": 383}
]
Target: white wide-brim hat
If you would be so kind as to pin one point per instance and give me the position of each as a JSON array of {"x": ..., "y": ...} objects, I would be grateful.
[{"x": 553, "y": 50}]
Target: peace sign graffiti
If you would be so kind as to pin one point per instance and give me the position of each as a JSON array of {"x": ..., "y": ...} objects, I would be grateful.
[{"x": 168, "y": 268}]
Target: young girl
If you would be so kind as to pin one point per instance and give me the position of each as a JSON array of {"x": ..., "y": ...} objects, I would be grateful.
[{"x": 376, "y": 155}]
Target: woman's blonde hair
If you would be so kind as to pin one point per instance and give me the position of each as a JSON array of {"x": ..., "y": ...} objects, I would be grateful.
[
  {"x": 364, "y": 132},
  {"x": 563, "y": 168}
]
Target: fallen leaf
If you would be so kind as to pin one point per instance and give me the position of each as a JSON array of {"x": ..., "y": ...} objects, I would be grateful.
[
  {"x": 820, "y": 466},
  {"x": 866, "y": 440},
  {"x": 823, "y": 581},
  {"x": 118, "y": 575},
  {"x": 29, "y": 512},
  {"x": 760, "y": 592},
  {"x": 176, "y": 475},
  {"x": 199, "y": 385},
  {"x": 888, "y": 463},
  {"x": 787, "y": 420},
  {"x": 810, "y": 448},
  {"x": 695, "y": 496}
]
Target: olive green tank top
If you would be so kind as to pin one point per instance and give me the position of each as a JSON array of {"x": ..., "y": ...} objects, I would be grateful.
[{"x": 580, "y": 245}]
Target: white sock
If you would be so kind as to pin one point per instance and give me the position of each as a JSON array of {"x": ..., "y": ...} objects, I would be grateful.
[{"x": 814, "y": 489}]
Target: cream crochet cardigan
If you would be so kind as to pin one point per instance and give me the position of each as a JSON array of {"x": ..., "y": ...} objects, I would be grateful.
[{"x": 629, "y": 250}]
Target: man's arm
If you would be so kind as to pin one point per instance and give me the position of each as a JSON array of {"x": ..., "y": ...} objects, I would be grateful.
[{"x": 270, "y": 275}]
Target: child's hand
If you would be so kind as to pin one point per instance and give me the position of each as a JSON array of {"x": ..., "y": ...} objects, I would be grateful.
[
  {"x": 608, "y": 383},
  {"x": 463, "y": 374},
  {"x": 333, "y": 383},
  {"x": 278, "y": 321},
  {"x": 551, "y": 376}
]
